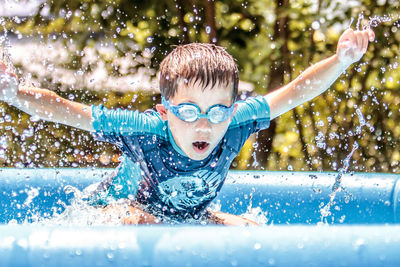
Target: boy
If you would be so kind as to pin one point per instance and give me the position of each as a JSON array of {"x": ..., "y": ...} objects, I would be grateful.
[{"x": 175, "y": 160}]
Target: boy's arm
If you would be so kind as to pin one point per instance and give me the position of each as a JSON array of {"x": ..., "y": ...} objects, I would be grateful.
[
  {"x": 316, "y": 79},
  {"x": 49, "y": 106},
  {"x": 43, "y": 103}
]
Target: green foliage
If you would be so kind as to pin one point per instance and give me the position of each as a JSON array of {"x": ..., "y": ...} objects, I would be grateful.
[{"x": 315, "y": 136}]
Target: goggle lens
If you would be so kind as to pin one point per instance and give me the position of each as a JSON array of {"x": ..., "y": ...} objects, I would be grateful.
[
  {"x": 187, "y": 113},
  {"x": 218, "y": 114}
]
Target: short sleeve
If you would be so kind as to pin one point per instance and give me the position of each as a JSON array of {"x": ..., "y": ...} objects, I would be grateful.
[
  {"x": 126, "y": 122},
  {"x": 253, "y": 111}
]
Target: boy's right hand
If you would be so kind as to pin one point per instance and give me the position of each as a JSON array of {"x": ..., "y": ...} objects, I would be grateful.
[
  {"x": 8, "y": 84},
  {"x": 352, "y": 45}
]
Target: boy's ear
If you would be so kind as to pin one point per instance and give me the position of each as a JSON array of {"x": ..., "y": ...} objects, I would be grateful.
[{"x": 162, "y": 110}]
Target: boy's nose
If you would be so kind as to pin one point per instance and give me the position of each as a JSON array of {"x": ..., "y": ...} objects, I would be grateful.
[{"x": 203, "y": 126}]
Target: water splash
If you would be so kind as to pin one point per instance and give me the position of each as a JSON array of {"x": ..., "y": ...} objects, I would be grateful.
[
  {"x": 32, "y": 193},
  {"x": 337, "y": 187},
  {"x": 320, "y": 140},
  {"x": 254, "y": 155},
  {"x": 4, "y": 47},
  {"x": 79, "y": 212},
  {"x": 376, "y": 20},
  {"x": 359, "y": 21},
  {"x": 362, "y": 122},
  {"x": 372, "y": 22},
  {"x": 256, "y": 215}
]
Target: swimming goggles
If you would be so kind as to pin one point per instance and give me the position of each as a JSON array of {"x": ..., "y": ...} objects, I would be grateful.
[{"x": 189, "y": 112}]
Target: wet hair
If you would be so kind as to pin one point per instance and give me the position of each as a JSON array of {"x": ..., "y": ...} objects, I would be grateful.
[{"x": 197, "y": 62}]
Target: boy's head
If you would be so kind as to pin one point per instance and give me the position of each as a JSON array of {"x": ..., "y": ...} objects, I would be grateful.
[
  {"x": 207, "y": 64},
  {"x": 205, "y": 76}
]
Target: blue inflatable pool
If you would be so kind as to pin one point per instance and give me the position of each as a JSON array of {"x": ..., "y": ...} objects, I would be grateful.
[{"x": 361, "y": 230}]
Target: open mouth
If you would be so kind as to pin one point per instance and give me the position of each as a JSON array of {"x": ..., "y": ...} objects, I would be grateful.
[{"x": 200, "y": 147}]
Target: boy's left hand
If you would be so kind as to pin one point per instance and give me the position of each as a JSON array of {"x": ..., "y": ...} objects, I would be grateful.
[{"x": 352, "y": 45}]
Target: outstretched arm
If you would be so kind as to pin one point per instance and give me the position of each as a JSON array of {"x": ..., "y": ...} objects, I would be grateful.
[
  {"x": 316, "y": 79},
  {"x": 43, "y": 103}
]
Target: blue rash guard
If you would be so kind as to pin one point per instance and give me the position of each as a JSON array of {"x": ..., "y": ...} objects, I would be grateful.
[{"x": 155, "y": 171}]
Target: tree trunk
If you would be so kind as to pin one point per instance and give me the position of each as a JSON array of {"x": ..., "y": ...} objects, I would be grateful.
[
  {"x": 181, "y": 15},
  {"x": 278, "y": 70},
  {"x": 309, "y": 110},
  {"x": 211, "y": 28}
]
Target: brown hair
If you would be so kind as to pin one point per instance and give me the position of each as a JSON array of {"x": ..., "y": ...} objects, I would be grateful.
[{"x": 196, "y": 62}]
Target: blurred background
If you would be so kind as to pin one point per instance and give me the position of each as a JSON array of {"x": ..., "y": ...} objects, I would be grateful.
[{"x": 108, "y": 52}]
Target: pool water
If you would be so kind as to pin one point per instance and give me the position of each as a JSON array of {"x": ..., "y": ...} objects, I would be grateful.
[{"x": 359, "y": 229}]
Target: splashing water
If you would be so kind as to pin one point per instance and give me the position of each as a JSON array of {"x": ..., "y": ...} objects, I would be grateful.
[
  {"x": 4, "y": 47},
  {"x": 32, "y": 193},
  {"x": 4, "y": 36},
  {"x": 254, "y": 214},
  {"x": 5, "y": 55},
  {"x": 376, "y": 20},
  {"x": 254, "y": 155},
  {"x": 372, "y": 22},
  {"x": 79, "y": 212},
  {"x": 363, "y": 123},
  {"x": 337, "y": 187},
  {"x": 359, "y": 21}
]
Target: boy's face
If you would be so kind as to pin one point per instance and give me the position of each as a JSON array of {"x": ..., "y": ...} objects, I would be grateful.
[{"x": 198, "y": 139}]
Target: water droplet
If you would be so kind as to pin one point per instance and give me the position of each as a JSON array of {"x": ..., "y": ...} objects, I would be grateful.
[
  {"x": 23, "y": 243},
  {"x": 28, "y": 132},
  {"x": 358, "y": 243},
  {"x": 360, "y": 117},
  {"x": 315, "y": 25},
  {"x": 7, "y": 118},
  {"x": 271, "y": 261},
  {"x": 3, "y": 142},
  {"x": 110, "y": 255}
]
